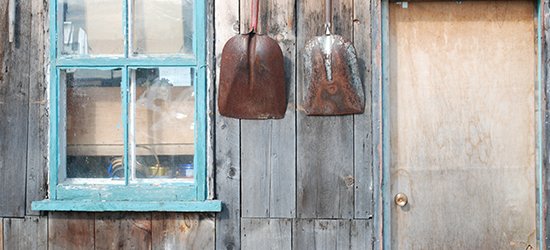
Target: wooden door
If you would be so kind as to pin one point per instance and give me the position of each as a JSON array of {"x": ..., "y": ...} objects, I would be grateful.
[{"x": 462, "y": 133}]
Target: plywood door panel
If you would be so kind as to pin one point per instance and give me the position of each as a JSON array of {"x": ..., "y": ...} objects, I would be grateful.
[{"x": 462, "y": 125}]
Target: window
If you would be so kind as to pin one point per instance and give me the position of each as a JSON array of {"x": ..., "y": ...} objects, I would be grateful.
[{"x": 127, "y": 106}]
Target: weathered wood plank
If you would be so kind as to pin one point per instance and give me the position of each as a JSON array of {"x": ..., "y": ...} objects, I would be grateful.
[
  {"x": 37, "y": 170},
  {"x": 71, "y": 230},
  {"x": 123, "y": 230},
  {"x": 183, "y": 231},
  {"x": 376, "y": 90},
  {"x": 269, "y": 146},
  {"x": 25, "y": 233},
  {"x": 1, "y": 233},
  {"x": 210, "y": 102},
  {"x": 363, "y": 122},
  {"x": 361, "y": 235},
  {"x": 331, "y": 234},
  {"x": 14, "y": 99},
  {"x": 227, "y": 156},
  {"x": 325, "y": 143},
  {"x": 266, "y": 233}
]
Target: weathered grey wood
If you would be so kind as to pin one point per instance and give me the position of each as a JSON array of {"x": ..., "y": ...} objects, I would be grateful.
[
  {"x": 25, "y": 233},
  {"x": 37, "y": 170},
  {"x": 331, "y": 234},
  {"x": 1, "y": 233},
  {"x": 123, "y": 230},
  {"x": 14, "y": 99},
  {"x": 70, "y": 230},
  {"x": 227, "y": 157},
  {"x": 376, "y": 89},
  {"x": 266, "y": 233},
  {"x": 210, "y": 102},
  {"x": 363, "y": 122},
  {"x": 325, "y": 143},
  {"x": 268, "y": 147},
  {"x": 183, "y": 231}
]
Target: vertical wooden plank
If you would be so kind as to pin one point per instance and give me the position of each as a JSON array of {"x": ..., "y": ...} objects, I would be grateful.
[
  {"x": 325, "y": 143},
  {"x": 303, "y": 234},
  {"x": 1, "y": 233},
  {"x": 183, "y": 231},
  {"x": 361, "y": 235},
  {"x": 37, "y": 170},
  {"x": 363, "y": 122},
  {"x": 14, "y": 90},
  {"x": 266, "y": 234},
  {"x": 210, "y": 101},
  {"x": 269, "y": 146},
  {"x": 376, "y": 90},
  {"x": 70, "y": 230},
  {"x": 227, "y": 157},
  {"x": 123, "y": 230},
  {"x": 26, "y": 233}
]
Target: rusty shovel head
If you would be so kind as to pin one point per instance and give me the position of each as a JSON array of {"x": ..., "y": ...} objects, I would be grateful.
[
  {"x": 252, "y": 78},
  {"x": 331, "y": 77}
]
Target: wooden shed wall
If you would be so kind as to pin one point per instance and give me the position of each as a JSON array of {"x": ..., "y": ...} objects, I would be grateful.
[{"x": 297, "y": 183}]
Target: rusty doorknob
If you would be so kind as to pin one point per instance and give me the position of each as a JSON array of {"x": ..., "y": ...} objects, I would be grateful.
[{"x": 401, "y": 199}]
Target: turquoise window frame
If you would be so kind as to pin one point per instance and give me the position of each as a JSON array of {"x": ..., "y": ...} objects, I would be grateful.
[{"x": 182, "y": 197}]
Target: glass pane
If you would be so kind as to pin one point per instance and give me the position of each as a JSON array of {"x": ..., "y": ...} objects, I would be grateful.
[
  {"x": 163, "y": 27},
  {"x": 91, "y": 27},
  {"x": 164, "y": 123},
  {"x": 95, "y": 142}
]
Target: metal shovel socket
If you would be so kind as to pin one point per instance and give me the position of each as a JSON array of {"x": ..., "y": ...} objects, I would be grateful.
[
  {"x": 252, "y": 77},
  {"x": 331, "y": 74}
]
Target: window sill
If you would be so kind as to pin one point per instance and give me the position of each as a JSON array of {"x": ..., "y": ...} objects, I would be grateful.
[{"x": 137, "y": 206}]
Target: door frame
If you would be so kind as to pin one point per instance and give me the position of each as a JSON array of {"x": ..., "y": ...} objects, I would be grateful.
[{"x": 380, "y": 118}]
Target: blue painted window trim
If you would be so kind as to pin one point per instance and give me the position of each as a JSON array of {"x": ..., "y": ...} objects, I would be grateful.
[{"x": 125, "y": 196}]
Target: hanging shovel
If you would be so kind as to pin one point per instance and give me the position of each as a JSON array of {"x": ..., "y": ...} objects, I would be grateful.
[
  {"x": 332, "y": 82},
  {"x": 252, "y": 76}
]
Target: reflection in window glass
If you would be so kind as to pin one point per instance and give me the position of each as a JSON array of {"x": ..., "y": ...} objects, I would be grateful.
[
  {"x": 94, "y": 137},
  {"x": 91, "y": 27},
  {"x": 164, "y": 105},
  {"x": 163, "y": 27}
]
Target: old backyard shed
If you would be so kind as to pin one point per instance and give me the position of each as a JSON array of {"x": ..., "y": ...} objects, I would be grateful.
[{"x": 110, "y": 136}]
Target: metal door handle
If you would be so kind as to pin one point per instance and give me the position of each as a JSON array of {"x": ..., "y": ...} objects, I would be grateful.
[{"x": 401, "y": 199}]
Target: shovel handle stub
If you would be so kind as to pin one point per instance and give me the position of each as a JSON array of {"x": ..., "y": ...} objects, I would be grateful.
[
  {"x": 254, "y": 19},
  {"x": 328, "y": 16}
]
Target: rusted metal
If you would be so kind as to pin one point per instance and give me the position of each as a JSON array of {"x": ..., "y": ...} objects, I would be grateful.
[
  {"x": 332, "y": 82},
  {"x": 252, "y": 76}
]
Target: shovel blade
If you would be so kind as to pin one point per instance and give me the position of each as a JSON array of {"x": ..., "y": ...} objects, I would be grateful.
[
  {"x": 252, "y": 78},
  {"x": 332, "y": 82}
]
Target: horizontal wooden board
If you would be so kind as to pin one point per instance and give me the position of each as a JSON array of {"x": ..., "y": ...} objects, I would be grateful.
[
  {"x": 183, "y": 231},
  {"x": 123, "y": 230}
]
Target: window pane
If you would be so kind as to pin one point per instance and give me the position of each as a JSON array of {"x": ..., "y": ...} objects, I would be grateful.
[
  {"x": 163, "y": 27},
  {"x": 95, "y": 142},
  {"x": 91, "y": 27},
  {"x": 164, "y": 123}
]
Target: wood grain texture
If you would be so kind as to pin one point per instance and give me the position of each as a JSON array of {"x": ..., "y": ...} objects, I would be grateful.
[
  {"x": 211, "y": 99},
  {"x": 123, "y": 230},
  {"x": 37, "y": 158},
  {"x": 376, "y": 89},
  {"x": 268, "y": 147},
  {"x": 14, "y": 108},
  {"x": 227, "y": 143},
  {"x": 29, "y": 232},
  {"x": 71, "y": 230},
  {"x": 463, "y": 120},
  {"x": 324, "y": 143},
  {"x": 266, "y": 233},
  {"x": 331, "y": 234},
  {"x": 183, "y": 231},
  {"x": 363, "y": 161},
  {"x": 1, "y": 233}
]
